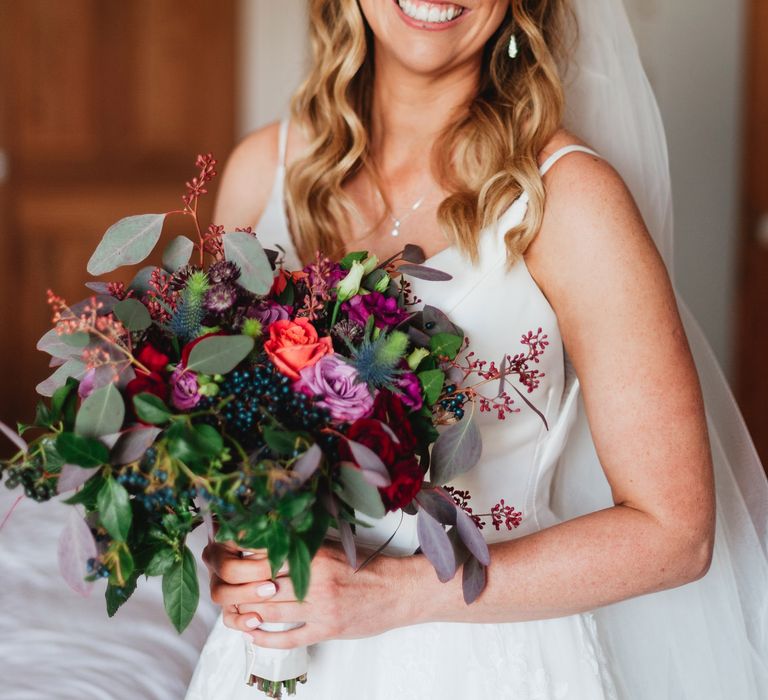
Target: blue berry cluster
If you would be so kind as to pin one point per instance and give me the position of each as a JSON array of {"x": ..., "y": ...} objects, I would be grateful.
[
  {"x": 96, "y": 568},
  {"x": 30, "y": 475},
  {"x": 453, "y": 402}
]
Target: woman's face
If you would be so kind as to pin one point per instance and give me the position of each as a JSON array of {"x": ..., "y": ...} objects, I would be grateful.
[{"x": 432, "y": 37}]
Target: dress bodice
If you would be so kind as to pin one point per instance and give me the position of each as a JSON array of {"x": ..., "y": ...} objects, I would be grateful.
[{"x": 496, "y": 305}]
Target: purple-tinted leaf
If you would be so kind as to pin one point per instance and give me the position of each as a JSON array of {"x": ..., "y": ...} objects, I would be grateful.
[
  {"x": 76, "y": 546},
  {"x": 424, "y": 273},
  {"x": 435, "y": 321},
  {"x": 374, "y": 470},
  {"x": 132, "y": 444},
  {"x": 454, "y": 375},
  {"x": 14, "y": 437},
  {"x": 472, "y": 580},
  {"x": 438, "y": 504},
  {"x": 418, "y": 337},
  {"x": 413, "y": 254},
  {"x": 204, "y": 508},
  {"x": 54, "y": 345},
  {"x": 72, "y": 477},
  {"x": 107, "y": 302},
  {"x": 56, "y": 362},
  {"x": 456, "y": 451},
  {"x": 472, "y": 537},
  {"x": 436, "y": 546},
  {"x": 532, "y": 407},
  {"x": 330, "y": 503},
  {"x": 71, "y": 368},
  {"x": 306, "y": 465},
  {"x": 348, "y": 542},
  {"x": 98, "y": 287}
]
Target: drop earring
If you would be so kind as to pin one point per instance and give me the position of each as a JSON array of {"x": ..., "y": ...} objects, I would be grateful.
[{"x": 512, "y": 51}]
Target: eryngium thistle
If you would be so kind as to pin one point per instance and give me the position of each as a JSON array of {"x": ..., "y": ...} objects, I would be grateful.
[{"x": 377, "y": 360}]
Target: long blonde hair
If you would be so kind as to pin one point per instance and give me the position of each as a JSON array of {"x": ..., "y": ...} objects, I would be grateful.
[{"x": 486, "y": 157}]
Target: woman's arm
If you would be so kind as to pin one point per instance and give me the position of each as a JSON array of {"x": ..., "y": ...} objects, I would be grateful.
[{"x": 599, "y": 269}]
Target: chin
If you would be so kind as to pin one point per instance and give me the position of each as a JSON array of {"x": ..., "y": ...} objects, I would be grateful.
[{"x": 428, "y": 37}]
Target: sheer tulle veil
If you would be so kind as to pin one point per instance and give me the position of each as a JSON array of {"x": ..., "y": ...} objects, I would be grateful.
[{"x": 707, "y": 639}]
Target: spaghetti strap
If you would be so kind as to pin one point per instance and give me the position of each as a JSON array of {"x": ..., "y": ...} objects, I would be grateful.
[
  {"x": 557, "y": 155},
  {"x": 282, "y": 142}
]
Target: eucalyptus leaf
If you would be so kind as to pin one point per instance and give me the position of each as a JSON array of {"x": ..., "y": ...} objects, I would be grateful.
[
  {"x": 473, "y": 576},
  {"x": 82, "y": 451},
  {"x": 104, "y": 305},
  {"x": 127, "y": 242},
  {"x": 348, "y": 542},
  {"x": 71, "y": 368},
  {"x": 101, "y": 413},
  {"x": 54, "y": 345},
  {"x": 181, "y": 591},
  {"x": 438, "y": 504},
  {"x": 373, "y": 468},
  {"x": 133, "y": 314},
  {"x": 177, "y": 253},
  {"x": 75, "y": 547},
  {"x": 245, "y": 251},
  {"x": 435, "y": 321},
  {"x": 14, "y": 437},
  {"x": 307, "y": 464},
  {"x": 98, "y": 287},
  {"x": 140, "y": 282},
  {"x": 472, "y": 537},
  {"x": 456, "y": 451},
  {"x": 434, "y": 542},
  {"x": 413, "y": 254},
  {"x": 76, "y": 341},
  {"x": 73, "y": 476},
  {"x": 114, "y": 508},
  {"x": 132, "y": 444},
  {"x": 219, "y": 354},
  {"x": 424, "y": 273},
  {"x": 358, "y": 493}
]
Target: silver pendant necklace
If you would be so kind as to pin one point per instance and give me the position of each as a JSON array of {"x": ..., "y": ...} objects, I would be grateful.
[{"x": 397, "y": 222}]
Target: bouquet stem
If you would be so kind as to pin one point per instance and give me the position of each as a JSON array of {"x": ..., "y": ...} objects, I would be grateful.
[{"x": 275, "y": 670}]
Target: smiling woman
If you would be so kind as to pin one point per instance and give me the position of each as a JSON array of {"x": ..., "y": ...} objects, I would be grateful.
[{"x": 623, "y": 579}]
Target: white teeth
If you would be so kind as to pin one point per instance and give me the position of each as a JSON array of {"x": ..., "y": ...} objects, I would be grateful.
[{"x": 428, "y": 12}]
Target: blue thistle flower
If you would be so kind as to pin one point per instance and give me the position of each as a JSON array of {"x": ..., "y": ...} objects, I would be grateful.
[{"x": 377, "y": 360}]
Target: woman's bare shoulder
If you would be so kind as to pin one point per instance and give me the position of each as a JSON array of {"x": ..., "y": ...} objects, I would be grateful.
[{"x": 248, "y": 177}]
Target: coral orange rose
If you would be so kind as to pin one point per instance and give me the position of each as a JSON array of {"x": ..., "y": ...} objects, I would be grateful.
[{"x": 294, "y": 345}]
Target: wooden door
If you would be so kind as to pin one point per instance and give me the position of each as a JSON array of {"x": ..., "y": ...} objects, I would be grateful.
[
  {"x": 752, "y": 336},
  {"x": 106, "y": 104}
]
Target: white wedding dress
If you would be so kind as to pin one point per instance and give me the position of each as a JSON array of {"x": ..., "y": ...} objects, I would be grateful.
[{"x": 555, "y": 659}]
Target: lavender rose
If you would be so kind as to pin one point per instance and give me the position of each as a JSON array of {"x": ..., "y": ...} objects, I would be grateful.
[
  {"x": 185, "y": 391},
  {"x": 335, "y": 380},
  {"x": 385, "y": 311}
]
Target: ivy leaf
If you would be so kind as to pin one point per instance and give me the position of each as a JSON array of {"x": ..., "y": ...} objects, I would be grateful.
[
  {"x": 245, "y": 251},
  {"x": 445, "y": 344},
  {"x": 358, "y": 493},
  {"x": 101, "y": 413},
  {"x": 151, "y": 409},
  {"x": 432, "y": 381},
  {"x": 181, "y": 591},
  {"x": 82, "y": 451},
  {"x": 127, "y": 242},
  {"x": 114, "y": 508},
  {"x": 219, "y": 354},
  {"x": 177, "y": 253},
  {"x": 456, "y": 451},
  {"x": 133, "y": 314},
  {"x": 299, "y": 567}
]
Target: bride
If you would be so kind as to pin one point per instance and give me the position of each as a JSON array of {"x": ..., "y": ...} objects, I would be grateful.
[{"x": 639, "y": 569}]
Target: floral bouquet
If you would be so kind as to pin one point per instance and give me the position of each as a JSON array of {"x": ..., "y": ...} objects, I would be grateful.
[{"x": 277, "y": 403}]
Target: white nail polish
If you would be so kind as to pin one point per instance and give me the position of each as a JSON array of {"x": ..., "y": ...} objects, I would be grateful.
[
  {"x": 265, "y": 590},
  {"x": 253, "y": 623}
]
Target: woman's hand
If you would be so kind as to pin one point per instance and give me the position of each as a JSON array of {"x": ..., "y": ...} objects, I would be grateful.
[{"x": 340, "y": 603}]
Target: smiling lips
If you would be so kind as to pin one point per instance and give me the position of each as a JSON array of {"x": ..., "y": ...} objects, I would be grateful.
[{"x": 429, "y": 11}]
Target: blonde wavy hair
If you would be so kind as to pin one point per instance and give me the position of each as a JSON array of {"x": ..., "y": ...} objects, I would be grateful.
[{"x": 485, "y": 158}]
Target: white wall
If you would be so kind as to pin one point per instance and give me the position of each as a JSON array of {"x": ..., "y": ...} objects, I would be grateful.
[
  {"x": 692, "y": 50},
  {"x": 273, "y": 51}
]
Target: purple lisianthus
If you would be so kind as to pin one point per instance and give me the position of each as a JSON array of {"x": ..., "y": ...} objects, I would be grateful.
[
  {"x": 267, "y": 312},
  {"x": 185, "y": 391},
  {"x": 386, "y": 313},
  {"x": 408, "y": 383},
  {"x": 335, "y": 380}
]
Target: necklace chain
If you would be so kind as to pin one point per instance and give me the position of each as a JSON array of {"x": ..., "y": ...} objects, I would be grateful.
[{"x": 397, "y": 221}]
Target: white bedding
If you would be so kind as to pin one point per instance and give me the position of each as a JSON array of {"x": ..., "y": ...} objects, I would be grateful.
[{"x": 57, "y": 644}]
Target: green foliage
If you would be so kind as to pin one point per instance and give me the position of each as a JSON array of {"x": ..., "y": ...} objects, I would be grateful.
[
  {"x": 359, "y": 494},
  {"x": 151, "y": 409},
  {"x": 246, "y": 252},
  {"x": 177, "y": 253},
  {"x": 127, "y": 242},
  {"x": 299, "y": 560},
  {"x": 219, "y": 354},
  {"x": 432, "y": 381},
  {"x": 82, "y": 451},
  {"x": 181, "y": 591},
  {"x": 133, "y": 314},
  {"x": 114, "y": 508},
  {"x": 102, "y": 413},
  {"x": 446, "y": 344}
]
